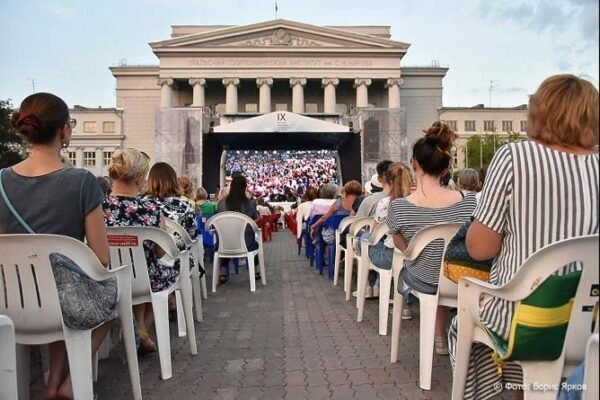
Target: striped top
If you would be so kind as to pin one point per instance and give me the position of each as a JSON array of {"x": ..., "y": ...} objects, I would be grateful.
[
  {"x": 534, "y": 196},
  {"x": 407, "y": 219}
]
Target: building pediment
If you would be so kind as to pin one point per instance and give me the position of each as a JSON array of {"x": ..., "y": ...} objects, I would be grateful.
[{"x": 276, "y": 35}]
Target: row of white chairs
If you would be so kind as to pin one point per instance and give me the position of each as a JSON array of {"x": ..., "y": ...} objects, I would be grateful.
[
  {"x": 28, "y": 295},
  {"x": 465, "y": 297}
]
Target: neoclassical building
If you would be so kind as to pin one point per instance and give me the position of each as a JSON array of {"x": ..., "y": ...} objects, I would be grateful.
[{"x": 209, "y": 76}]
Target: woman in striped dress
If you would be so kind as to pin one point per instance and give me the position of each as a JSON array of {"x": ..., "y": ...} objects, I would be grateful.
[
  {"x": 429, "y": 204},
  {"x": 536, "y": 193}
]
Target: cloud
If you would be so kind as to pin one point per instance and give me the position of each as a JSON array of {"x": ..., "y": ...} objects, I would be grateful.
[{"x": 58, "y": 9}]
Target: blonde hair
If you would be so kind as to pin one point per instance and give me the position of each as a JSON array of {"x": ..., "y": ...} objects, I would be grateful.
[
  {"x": 223, "y": 192},
  {"x": 398, "y": 177},
  {"x": 127, "y": 165},
  {"x": 564, "y": 111},
  {"x": 201, "y": 194}
]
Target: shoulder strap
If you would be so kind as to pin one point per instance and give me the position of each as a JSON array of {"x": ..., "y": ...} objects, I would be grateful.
[{"x": 11, "y": 208}]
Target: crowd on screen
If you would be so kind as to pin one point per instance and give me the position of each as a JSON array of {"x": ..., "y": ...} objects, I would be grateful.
[{"x": 495, "y": 206}]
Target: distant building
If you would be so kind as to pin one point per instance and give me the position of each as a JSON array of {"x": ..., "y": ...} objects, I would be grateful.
[
  {"x": 480, "y": 120},
  {"x": 98, "y": 133}
]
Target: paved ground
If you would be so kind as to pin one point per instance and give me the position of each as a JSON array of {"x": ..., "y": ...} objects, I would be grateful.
[{"x": 296, "y": 338}]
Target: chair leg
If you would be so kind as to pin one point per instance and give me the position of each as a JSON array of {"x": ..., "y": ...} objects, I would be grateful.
[
  {"x": 261, "y": 266},
  {"x": 251, "y": 273},
  {"x": 128, "y": 334},
  {"x": 428, "y": 307},
  {"x": 23, "y": 357},
  {"x": 187, "y": 299},
  {"x": 338, "y": 259},
  {"x": 181, "y": 328},
  {"x": 197, "y": 292},
  {"x": 79, "y": 353},
  {"x": 548, "y": 374},
  {"x": 465, "y": 335},
  {"x": 385, "y": 282},
  {"x": 203, "y": 285},
  {"x": 160, "y": 307},
  {"x": 396, "y": 324},
  {"x": 236, "y": 264},
  {"x": 215, "y": 277},
  {"x": 332, "y": 251},
  {"x": 363, "y": 273}
]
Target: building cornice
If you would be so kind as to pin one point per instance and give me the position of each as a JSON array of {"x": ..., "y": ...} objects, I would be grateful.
[{"x": 135, "y": 70}]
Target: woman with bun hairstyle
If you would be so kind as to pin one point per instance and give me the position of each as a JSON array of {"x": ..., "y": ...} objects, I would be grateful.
[
  {"x": 536, "y": 193},
  {"x": 124, "y": 207},
  {"x": 67, "y": 202},
  {"x": 429, "y": 204}
]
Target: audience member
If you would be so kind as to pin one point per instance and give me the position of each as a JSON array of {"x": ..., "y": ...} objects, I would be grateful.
[
  {"x": 237, "y": 200},
  {"x": 326, "y": 198},
  {"x": 536, "y": 193},
  {"x": 304, "y": 210},
  {"x": 124, "y": 207},
  {"x": 468, "y": 180},
  {"x": 203, "y": 205},
  {"x": 430, "y": 204},
  {"x": 376, "y": 188},
  {"x": 67, "y": 201},
  {"x": 187, "y": 190}
]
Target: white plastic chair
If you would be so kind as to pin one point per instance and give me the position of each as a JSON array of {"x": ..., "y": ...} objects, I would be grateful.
[
  {"x": 197, "y": 250},
  {"x": 28, "y": 295},
  {"x": 356, "y": 226},
  {"x": 338, "y": 247},
  {"x": 428, "y": 304},
  {"x": 590, "y": 375},
  {"x": 8, "y": 367},
  {"x": 534, "y": 271},
  {"x": 230, "y": 227},
  {"x": 126, "y": 246},
  {"x": 385, "y": 279}
]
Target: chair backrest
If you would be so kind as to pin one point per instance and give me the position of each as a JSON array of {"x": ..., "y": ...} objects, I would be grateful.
[
  {"x": 230, "y": 227},
  {"x": 195, "y": 245},
  {"x": 544, "y": 263},
  {"x": 127, "y": 248},
  {"x": 28, "y": 293},
  {"x": 334, "y": 221},
  {"x": 361, "y": 223},
  {"x": 345, "y": 223},
  {"x": 446, "y": 288}
]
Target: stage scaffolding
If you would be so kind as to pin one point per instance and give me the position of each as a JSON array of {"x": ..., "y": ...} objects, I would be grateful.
[
  {"x": 179, "y": 141},
  {"x": 384, "y": 136}
]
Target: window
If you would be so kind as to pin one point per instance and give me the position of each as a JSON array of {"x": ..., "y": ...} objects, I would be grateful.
[
  {"x": 523, "y": 126},
  {"x": 107, "y": 155},
  {"x": 489, "y": 126},
  {"x": 108, "y": 127},
  {"x": 454, "y": 153},
  {"x": 251, "y": 108},
  {"x": 311, "y": 108},
  {"x": 89, "y": 127},
  {"x": 507, "y": 126},
  {"x": 89, "y": 159},
  {"x": 451, "y": 125},
  {"x": 72, "y": 157},
  {"x": 470, "y": 126},
  {"x": 281, "y": 107}
]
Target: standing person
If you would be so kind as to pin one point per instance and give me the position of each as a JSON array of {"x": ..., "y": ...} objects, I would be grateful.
[
  {"x": 237, "y": 200},
  {"x": 536, "y": 193},
  {"x": 430, "y": 204},
  {"x": 67, "y": 202},
  {"x": 124, "y": 207}
]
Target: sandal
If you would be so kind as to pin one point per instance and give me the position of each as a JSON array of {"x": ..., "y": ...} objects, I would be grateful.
[
  {"x": 147, "y": 345},
  {"x": 222, "y": 279}
]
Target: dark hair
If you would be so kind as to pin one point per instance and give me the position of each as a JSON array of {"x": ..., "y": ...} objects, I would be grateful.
[
  {"x": 40, "y": 117},
  {"x": 162, "y": 181},
  {"x": 311, "y": 194},
  {"x": 382, "y": 166},
  {"x": 236, "y": 200},
  {"x": 432, "y": 152}
]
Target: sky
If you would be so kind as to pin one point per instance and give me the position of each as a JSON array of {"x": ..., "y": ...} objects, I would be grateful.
[{"x": 66, "y": 46}]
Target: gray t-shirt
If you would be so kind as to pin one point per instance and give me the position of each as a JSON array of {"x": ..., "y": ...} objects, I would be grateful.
[
  {"x": 56, "y": 203},
  {"x": 369, "y": 205}
]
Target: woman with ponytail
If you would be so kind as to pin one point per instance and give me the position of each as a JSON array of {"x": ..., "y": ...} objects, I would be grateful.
[{"x": 430, "y": 204}]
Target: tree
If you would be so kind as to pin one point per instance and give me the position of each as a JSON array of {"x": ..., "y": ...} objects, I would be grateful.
[
  {"x": 11, "y": 143},
  {"x": 480, "y": 149}
]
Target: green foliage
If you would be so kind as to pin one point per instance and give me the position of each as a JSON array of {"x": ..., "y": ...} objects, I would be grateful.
[
  {"x": 11, "y": 143},
  {"x": 480, "y": 149}
]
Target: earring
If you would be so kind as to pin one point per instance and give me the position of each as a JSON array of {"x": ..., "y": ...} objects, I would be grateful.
[{"x": 65, "y": 145}]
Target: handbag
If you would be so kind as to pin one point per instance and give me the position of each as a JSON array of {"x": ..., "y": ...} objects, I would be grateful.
[
  {"x": 84, "y": 302},
  {"x": 458, "y": 263}
]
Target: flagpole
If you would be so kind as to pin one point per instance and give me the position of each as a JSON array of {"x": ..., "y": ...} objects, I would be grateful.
[{"x": 276, "y": 9}]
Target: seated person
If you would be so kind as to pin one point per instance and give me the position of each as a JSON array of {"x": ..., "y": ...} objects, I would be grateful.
[
  {"x": 203, "y": 205},
  {"x": 321, "y": 205}
]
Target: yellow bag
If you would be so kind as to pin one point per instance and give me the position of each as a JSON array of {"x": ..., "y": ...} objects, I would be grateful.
[{"x": 455, "y": 271}]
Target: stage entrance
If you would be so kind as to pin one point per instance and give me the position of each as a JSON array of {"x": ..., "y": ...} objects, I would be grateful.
[{"x": 281, "y": 131}]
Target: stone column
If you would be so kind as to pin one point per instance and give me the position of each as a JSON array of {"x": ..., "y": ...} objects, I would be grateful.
[
  {"x": 329, "y": 85},
  {"x": 393, "y": 86},
  {"x": 79, "y": 157},
  {"x": 297, "y": 85},
  {"x": 198, "y": 94},
  {"x": 264, "y": 94},
  {"x": 166, "y": 92},
  {"x": 231, "y": 95},
  {"x": 99, "y": 161},
  {"x": 362, "y": 91}
]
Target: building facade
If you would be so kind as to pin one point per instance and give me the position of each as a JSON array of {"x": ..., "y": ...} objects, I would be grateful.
[
  {"x": 98, "y": 133},
  {"x": 236, "y": 72},
  {"x": 479, "y": 120}
]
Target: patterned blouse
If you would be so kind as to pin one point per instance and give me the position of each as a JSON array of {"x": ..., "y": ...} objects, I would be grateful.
[{"x": 134, "y": 211}]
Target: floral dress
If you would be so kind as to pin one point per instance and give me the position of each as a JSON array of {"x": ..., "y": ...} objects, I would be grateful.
[{"x": 134, "y": 211}]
